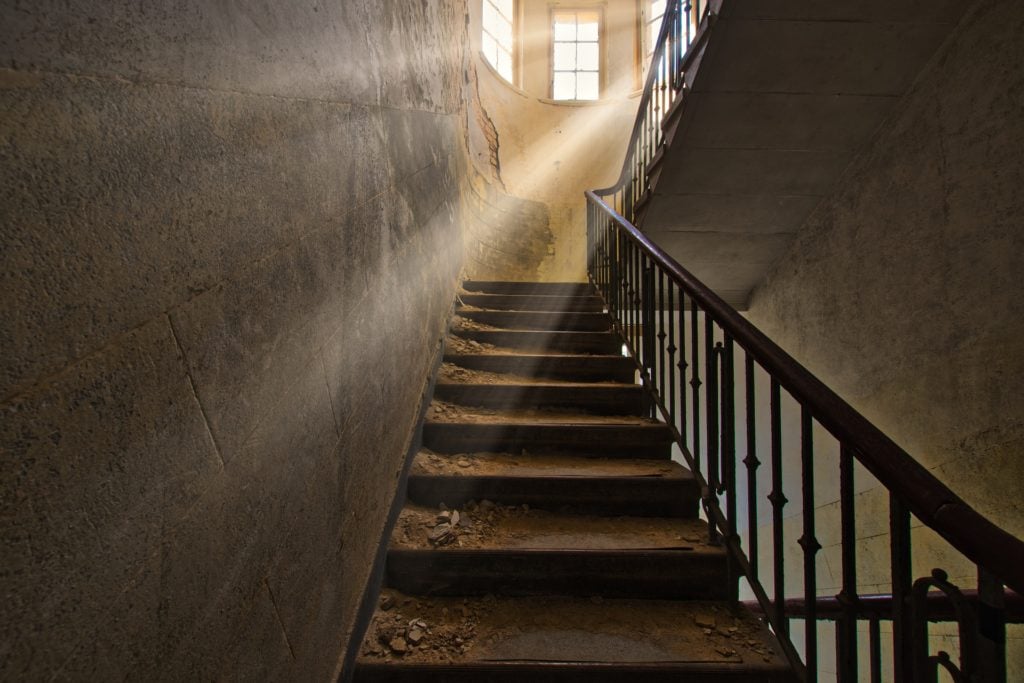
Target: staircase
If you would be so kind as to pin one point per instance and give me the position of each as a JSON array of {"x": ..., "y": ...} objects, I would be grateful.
[{"x": 547, "y": 535}]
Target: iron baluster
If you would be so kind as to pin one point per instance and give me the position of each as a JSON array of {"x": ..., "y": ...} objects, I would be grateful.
[
  {"x": 662, "y": 334},
  {"x": 875, "y": 649},
  {"x": 899, "y": 548},
  {"x": 846, "y": 628},
  {"x": 808, "y": 543},
  {"x": 672, "y": 357},
  {"x": 778, "y": 500},
  {"x": 647, "y": 324},
  {"x": 683, "y": 365},
  {"x": 728, "y": 460},
  {"x": 925, "y": 666},
  {"x": 710, "y": 494},
  {"x": 695, "y": 383},
  {"x": 752, "y": 463},
  {"x": 991, "y": 647}
]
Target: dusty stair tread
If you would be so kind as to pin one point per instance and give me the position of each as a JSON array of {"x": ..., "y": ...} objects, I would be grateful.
[
  {"x": 602, "y": 343},
  {"x": 452, "y": 373},
  {"x": 549, "y": 465},
  {"x": 553, "y": 366},
  {"x": 561, "y": 321},
  {"x": 645, "y": 488},
  {"x": 446, "y": 412},
  {"x": 565, "y": 639},
  {"x": 595, "y": 438},
  {"x": 605, "y": 399},
  {"x": 513, "y": 527},
  {"x": 510, "y": 287},
  {"x": 533, "y": 302}
]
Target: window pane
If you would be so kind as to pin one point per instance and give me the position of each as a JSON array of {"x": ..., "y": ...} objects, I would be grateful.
[
  {"x": 504, "y": 65},
  {"x": 587, "y": 30},
  {"x": 565, "y": 56},
  {"x": 505, "y": 7},
  {"x": 564, "y": 86},
  {"x": 587, "y": 86},
  {"x": 565, "y": 27},
  {"x": 503, "y": 32},
  {"x": 587, "y": 58},
  {"x": 490, "y": 50},
  {"x": 652, "y": 39},
  {"x": 490, "y": 17}
]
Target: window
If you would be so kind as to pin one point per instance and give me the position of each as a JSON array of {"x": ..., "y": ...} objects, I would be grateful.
[
  {"x": 653, "y": 13},
  {"x": 576, "y": 55},
  {"x": 497, "y": 38}
]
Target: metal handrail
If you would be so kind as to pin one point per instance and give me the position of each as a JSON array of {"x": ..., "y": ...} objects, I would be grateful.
[
  {"x": 684, "y": 30},
  {"x": 929, "y": 499},
  {"x": 632, "y": 273},
  {"x": 640, "y": 283}
]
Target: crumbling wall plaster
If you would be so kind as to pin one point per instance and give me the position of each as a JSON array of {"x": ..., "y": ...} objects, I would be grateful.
[{"x": 229, "y": 242}]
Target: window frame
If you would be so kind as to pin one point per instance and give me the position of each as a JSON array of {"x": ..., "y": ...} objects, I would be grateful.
[
  {"x": 555, "y": 10},
  {"x": 645, "y": 21},
  {"x": 513, "y": 53}
]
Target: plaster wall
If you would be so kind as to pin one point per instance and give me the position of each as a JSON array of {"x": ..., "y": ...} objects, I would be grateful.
[
  {"x": 902, "y": 292},
  {"x": 229, "y": 244},
  {"x": 550, "y": 152}
]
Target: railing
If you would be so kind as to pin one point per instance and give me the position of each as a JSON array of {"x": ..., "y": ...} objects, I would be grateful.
[
  {"x": 684, "y": 29},
  {"x": 732, "y": 397},
  {"x": 699, "y": 359}
]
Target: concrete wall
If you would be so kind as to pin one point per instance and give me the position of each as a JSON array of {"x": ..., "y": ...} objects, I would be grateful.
[
  {"x": 902, "y": 290},
  {"x": 548, "y": 152},
  {"x": 228, "y": 247}
]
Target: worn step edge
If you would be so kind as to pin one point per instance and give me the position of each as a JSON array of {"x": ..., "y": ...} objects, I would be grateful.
[
  {"x": 508, "y": 287},
  {"x": 517, "y": 671},
  {"x": 610, "y": 440},
  {"x": 556, "y": 366},
  {"x": 540, "y": 321},
  {"x": 658, "y": 573},
  {"x": 533, "y": 302},
  {"x": 636, "y": 496},
  {"x": 590, "y": 342},
  {"x": 621, "y": 399}
]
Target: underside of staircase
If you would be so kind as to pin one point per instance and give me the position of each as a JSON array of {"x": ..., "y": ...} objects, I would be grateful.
[{"x": 547, "y": 535}]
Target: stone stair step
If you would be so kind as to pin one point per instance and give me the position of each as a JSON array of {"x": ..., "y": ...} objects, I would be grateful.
[
  {"x": 565, "y": 321},
  {"x": 512, "y": 550},
  {"x": 567, "y": 342},
  {"x": 561, "y": 639},
  {"x": 529, "y": 288},
  {"x": 654, "y": 488},
  {"x": 533, "y": 302},
  {"x": 652, "y": 440},
  {"x": 615, "y": 368},
  {"x": 620, "y": 399}
]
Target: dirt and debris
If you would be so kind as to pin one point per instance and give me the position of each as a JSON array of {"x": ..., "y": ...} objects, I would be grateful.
[
  {"x": 420, "y": 629},
  {"x": 486, "y": 524},
  {"x": 444, "y": 630},
  {"x": 461, "y": 345},
  {"x": 428, "y": 462},
  {"x": 459, "y": 323},
  {"x": 445, "y": 411}
]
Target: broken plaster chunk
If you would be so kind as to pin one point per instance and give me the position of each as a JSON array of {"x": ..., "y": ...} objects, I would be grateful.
[
  {"x": 415, "y": 635},
  {"x": 455, "y": 518},
  {"x": 463, "y": 462},
  {"x": 398, "y": 645},
  {"x": 386, "y": 602},
  {"x": 703, "y": 621}
]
